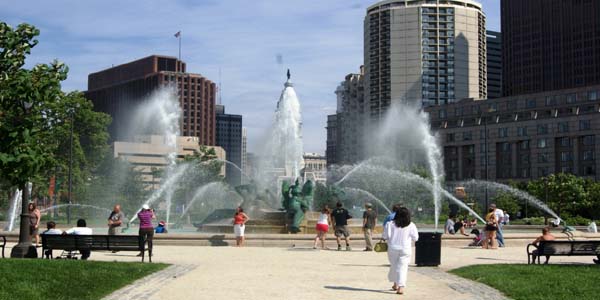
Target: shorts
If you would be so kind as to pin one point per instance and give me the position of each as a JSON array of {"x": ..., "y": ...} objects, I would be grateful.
[
  {"x": 114, "y": 230},
  {"x": 490, "y": 228},
  {"x": 239, "y": 229},
  {"x": 342, "y": 230},
  {"x": 33, "y": 231},
  {"x": 322, "y": 227}
]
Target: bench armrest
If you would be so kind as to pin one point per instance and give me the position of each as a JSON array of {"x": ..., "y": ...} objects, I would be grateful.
[{"x": 531, "y": 245}]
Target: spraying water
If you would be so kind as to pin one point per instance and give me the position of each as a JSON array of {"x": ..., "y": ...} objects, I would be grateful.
[
  {"x": 214, "y": 193},
  {"x": 369, "y": 195},
  {"x": 284, "y": 149},
  {"x": 519, "y": 193},
  {"x": 76, "y": 205},
  {"x": 234, "y": 165},
  {"x": 14, "y": 208},
  {"x": 405, "y": 135}
]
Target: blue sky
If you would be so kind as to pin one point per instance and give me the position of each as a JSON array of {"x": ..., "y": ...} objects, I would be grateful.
[{"x": 320, "y": 41}]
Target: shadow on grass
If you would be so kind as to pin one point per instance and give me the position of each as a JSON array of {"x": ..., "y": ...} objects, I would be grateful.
[{"x": 353, "y": 289}]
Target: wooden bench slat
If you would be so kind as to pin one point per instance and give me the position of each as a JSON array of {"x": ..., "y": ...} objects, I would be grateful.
[{"x": 93, "y": 242}]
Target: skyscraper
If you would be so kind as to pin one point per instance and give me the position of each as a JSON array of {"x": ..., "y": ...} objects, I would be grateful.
[
  {"x": 549, "y": 45},
  {"x": 494, "y": 64},
  {"x": 229, "y": 137},
  {"x": 118, "y": 90},
  {"x": 423, "y": 51},
  {"x": 350, "y": 118}
]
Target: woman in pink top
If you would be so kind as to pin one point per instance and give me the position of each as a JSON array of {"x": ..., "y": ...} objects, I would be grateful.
[{"x": 146, "y": 229}]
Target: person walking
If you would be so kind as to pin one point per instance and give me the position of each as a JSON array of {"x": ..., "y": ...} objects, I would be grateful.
[
  {"x": 34, "y": 222},
  {"x": 391, "y": 216},
  {"x": 499, "y": 214},
  {"x": 115, "y": 220},
  {"x": 239, "y": 226},
  {"x": 400, "y": 234},
  {"x": 146, "y": 215},
  {"x": 340, "y": 217},
  {"x": 322, "y": 227},
  {"x": 490, "y": 230},
  {"x": 369, "y": 221}
]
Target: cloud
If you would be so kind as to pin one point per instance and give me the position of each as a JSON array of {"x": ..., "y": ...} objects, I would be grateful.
[{"x": 320, "y": 41}]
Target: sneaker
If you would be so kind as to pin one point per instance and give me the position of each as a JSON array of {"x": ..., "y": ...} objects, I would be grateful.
[
  {"x": 348, "y": 248},
  {"x": 339, "y": 247}
]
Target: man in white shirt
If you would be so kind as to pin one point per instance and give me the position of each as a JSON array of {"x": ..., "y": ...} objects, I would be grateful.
[
  {"x": 500, "y": 219},
  {"x": 51, "y": 230},
  {"x": 81, "y": 229}
]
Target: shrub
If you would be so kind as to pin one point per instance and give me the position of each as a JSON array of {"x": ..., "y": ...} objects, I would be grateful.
[{"x": 578, "y": 220}]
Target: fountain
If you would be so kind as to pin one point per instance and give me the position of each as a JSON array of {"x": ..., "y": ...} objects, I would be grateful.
[
  {"x": 14, "y": 210},
  {"x": 284, "y": 148},
  {"x": 213, "y": 191},
  {"x": 370, "y": 196},
  {"x": 519, "y": 193}
]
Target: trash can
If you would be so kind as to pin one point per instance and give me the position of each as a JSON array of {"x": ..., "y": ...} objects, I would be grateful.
[{"x": 428, "y": 249}]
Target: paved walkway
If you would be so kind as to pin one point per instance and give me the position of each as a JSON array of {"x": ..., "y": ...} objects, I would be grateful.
[{"x": 303, "y": 273}]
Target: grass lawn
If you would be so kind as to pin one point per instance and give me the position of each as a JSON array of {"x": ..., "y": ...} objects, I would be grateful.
[
  {"x": 67, "y": 279},
  {"x": 532, "y": 282}
]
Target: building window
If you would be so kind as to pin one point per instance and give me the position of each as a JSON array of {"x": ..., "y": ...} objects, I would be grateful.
[
  {"x": 522, "y": 131},
  {"x": 565, "y": 156},
  {"x": 588, "y": 140},
  {"x": 505, "y": 147},
  {"x": 542, "y": 143},
  {"x": 588, "y": 155},
  {"x": 524, "y": 145},
  {"x": 550, "y": 100},
  {"x": 589, "y": 170},
  {"x": 571, "y": 98},
  {"x": 565, "y": 170},
  {"x": 542, "y": 129},
  {"x": 482, "y": 134},
  {"x": 563, "y": 127},
  {"x": 503, "y": 132},
  {"x": 592, "y": 95},
  {"x": 531, "y": 103},
  {"x": 585, "y": 125},
  {"x": 467, "y": 136},
  {"x": 442, "y": 114},
  {"x": 543, "y": 172},
  {"x": 565, "y": 142},
  {"x": 450, "y": 137},
  {"x": 543, "y": 157}
]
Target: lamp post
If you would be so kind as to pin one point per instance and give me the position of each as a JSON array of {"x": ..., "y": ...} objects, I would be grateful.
[
  {"x": 24, "y": 248},
  {"x": 72, "y": 112},
  {"x": 485, "y": 152}
]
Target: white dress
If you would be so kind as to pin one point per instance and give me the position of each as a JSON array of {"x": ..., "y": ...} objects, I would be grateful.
[{"x": 399, "y": 250}]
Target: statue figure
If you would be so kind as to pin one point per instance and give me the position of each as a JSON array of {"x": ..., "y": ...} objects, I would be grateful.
[
  {"x": 296, "y": 201},
  {"x": 288, "y": 74}
]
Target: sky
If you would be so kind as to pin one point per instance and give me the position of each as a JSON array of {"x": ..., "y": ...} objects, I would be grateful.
[{"x": 321, "y": 41}]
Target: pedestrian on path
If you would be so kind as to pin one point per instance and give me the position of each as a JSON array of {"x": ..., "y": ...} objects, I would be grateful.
[
  {"x": 34, "y": 222},
  {"x": 369, "y": 221},
  {"x": 400, "y": 234},
  {"x": 322, "y": 227},
  {"x": 115, "y": 220},
  {"x": 239, "y": 226},
  {"x": 340, "y": 217},
  {"x": 146, "y": 215}
]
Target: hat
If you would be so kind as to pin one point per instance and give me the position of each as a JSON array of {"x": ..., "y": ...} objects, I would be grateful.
[
  {"x": 145, "y": 206},
  {"x": 162, "y": 223}
]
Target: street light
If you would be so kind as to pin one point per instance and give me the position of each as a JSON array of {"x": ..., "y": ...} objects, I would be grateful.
[
  {"x": 72, "y": 114},
  {"x": 24, "y": 248},
  {"x": 483, "y": 119}
]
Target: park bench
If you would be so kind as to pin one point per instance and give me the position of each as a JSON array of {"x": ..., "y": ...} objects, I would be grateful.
[
  {"x": 563, "y": 248},
  {"x": 72, "y": 243},
  {"x": 3, "y": 245}
]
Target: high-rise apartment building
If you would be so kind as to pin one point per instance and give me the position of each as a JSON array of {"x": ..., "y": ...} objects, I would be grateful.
[
  {"x": 118, "y": 90},
  {"x": 549, "y": 45},
  {"x": 427, "y": 52},
  {"x": 244, "y": 164},
  {"x": 331, "y": 152},
  {"x": 350, "y": 118},
  {"x": 229, "y": 137},
  {"x": 494, "y": 64}
]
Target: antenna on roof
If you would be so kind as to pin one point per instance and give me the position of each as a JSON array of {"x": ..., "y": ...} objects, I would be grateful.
[{"x": 220, "y": 92}]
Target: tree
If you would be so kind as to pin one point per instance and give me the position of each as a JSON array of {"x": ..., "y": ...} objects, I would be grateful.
[
  {"x": 563, "y": 193},
  {"x": 508, "y": 203}
]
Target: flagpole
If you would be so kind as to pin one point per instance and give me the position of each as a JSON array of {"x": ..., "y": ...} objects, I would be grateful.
[{"x": 180, "y": 50}]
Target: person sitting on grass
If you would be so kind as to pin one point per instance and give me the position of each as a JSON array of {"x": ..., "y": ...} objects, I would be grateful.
[
  {"x": 81, "y": 229},
  {"x": 546, "y": 236}
]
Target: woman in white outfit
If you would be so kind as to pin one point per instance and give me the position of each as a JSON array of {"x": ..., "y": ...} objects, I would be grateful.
[{"x": 400, "y": 234}]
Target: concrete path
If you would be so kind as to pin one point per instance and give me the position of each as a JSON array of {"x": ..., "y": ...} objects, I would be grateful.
[{"x": 303, "y": 273}]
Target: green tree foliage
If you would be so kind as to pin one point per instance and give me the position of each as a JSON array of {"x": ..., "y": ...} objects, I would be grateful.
[
  {"x": 508, "y": 203},
  {"x": 561, "y": 192}
]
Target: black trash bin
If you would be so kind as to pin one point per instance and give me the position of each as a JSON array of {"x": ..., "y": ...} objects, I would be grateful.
[{"x": 428, "y": 249}]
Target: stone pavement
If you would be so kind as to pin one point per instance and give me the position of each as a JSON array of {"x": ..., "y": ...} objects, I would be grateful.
[{"x": 303, "y": 273}]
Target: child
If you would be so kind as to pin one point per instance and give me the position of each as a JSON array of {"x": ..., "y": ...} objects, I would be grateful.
[
  {"x": 322, "y": 227},
  {"x": 161, "y": 228}
]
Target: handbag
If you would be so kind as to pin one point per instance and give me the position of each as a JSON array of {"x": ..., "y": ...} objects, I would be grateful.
[{"x": 381, "y": 246}]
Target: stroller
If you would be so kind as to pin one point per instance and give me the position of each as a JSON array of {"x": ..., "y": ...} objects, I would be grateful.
[{"x": 478, "y": 239}]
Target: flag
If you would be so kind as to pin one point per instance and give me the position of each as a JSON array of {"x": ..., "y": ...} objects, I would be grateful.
[{"x": 178, "y": 34}]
